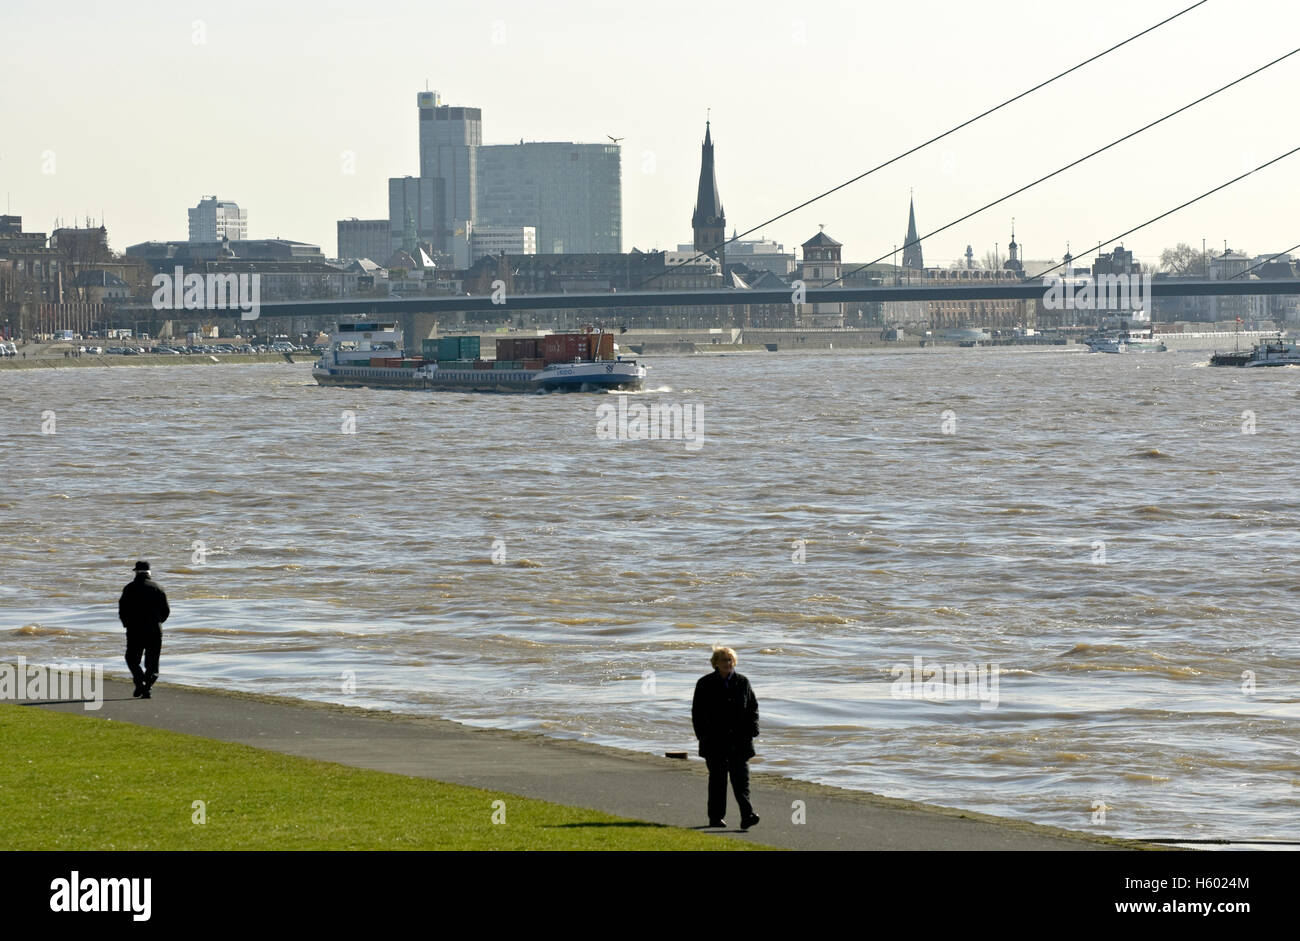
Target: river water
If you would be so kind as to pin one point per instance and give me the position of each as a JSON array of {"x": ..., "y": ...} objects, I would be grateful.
[{"x": 1110, "y": 542}]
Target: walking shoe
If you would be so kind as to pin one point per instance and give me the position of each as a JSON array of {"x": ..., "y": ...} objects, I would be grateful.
[
  {"x": 749, "y": 821},
  {"x": 146, "y": 695},
  {"x": 139, "y": 691},
  {"x": 150, "y": 680},
  {"x": 717, "y": 823}
]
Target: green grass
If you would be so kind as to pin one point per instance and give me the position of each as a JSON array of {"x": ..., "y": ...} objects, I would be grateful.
[{"x": 71, "y": 782}]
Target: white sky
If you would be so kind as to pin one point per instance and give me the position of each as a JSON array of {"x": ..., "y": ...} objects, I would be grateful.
[{"x": 139, "y": 121}]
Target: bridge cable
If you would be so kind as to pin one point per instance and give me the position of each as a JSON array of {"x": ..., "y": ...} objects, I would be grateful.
[
  {"x": 1074, "y": 163},
  {"x": 932, "y": 140},
  {"x": 1236, "y": 179},
  {"x": 1285, "y": 251}
]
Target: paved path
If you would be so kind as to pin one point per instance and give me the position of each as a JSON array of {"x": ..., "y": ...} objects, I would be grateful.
[{"x": 629, "y": 784}]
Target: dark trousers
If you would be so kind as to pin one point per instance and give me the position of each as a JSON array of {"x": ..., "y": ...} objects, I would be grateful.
[
  {"x": 148, "y": 643},
  {"x": 719, "y": 767}
]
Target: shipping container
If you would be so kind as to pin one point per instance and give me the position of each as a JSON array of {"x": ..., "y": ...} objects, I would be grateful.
[
  {"x": 533, "y": 363},
  {"x": 383, "y": 361},
  {"x": 553, "y": 348},
  {"x": 506, "y": 364},
  {"x": 605, "y": 349},
  {"x": 574, "y": 346},
  {"x": 448, "y": 348},
  {"x": 482, "y": 364},
  {"x": 469, "y": 347}
]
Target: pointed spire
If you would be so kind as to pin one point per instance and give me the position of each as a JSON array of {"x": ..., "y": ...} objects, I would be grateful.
[
  {"x": 708, "y": 204},
  {"x": 709, "y": 220},
  {"x": 912, "y": 257}
]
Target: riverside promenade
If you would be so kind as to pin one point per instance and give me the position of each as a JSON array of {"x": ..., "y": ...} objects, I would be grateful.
[{"x": 630, "y": 784}]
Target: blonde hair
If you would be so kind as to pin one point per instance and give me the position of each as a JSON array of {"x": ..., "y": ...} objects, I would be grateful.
[{"x": 720, "y": 652}]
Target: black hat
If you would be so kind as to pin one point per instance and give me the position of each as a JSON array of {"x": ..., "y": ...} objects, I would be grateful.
[{"x": 141, "y": 567}]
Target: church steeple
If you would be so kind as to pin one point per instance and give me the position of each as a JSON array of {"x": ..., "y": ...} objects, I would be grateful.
[
  {"x": 1014, "y": 263},
  {"x": 911, "y": 246},
  {"x": 709, "y": 221}
]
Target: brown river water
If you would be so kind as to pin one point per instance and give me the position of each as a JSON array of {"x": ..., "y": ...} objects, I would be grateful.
[{"x": 1100, "y": 551}]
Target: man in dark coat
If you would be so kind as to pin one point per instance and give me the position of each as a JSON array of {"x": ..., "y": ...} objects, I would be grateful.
[
  {"x": 142, "y": 610},
  {"x": 725, "y": 715}
]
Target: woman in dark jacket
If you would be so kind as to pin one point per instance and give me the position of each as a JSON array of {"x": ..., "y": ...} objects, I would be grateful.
[{"x": 725, "y": 715}]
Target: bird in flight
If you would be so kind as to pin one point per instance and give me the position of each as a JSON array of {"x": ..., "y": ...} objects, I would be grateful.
[{"x": 613, "y": 138}]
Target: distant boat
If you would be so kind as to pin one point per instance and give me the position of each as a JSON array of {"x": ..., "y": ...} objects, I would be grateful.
[
  {"x": 965, "y": 335},
  {"x": 1126, "y": 338},
  {"x": 1275, "y": 351}
]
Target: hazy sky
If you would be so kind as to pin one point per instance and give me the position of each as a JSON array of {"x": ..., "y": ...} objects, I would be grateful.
[{"x": 301, "y": 111}]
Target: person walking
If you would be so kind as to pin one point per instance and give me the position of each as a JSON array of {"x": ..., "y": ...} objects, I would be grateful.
[
  {"x": 725, "y": 716},
  {"x": 142, "y": 609}
]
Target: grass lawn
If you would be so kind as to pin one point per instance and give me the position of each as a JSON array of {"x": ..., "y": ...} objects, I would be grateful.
[{"x": 72, "y": 782}]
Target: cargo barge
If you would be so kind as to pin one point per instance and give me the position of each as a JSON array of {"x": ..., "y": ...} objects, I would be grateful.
[
  {"x": 1275, "y": 351},
  {"x": 371, "y": 354}
]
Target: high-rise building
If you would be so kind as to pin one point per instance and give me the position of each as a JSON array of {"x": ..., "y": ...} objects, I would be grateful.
[
  {"x": 571, "y": 193},
  {"x": 215, "y": 219},
  {"x": 709, "y": 221},
  {"x": 413, "y": 201},
  {"x": 365, "y": 238},
  {"x": 449, "y": 145}
]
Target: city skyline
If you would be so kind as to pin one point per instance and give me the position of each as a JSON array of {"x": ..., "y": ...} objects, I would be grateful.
[{"x": 807, "y": 123}]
